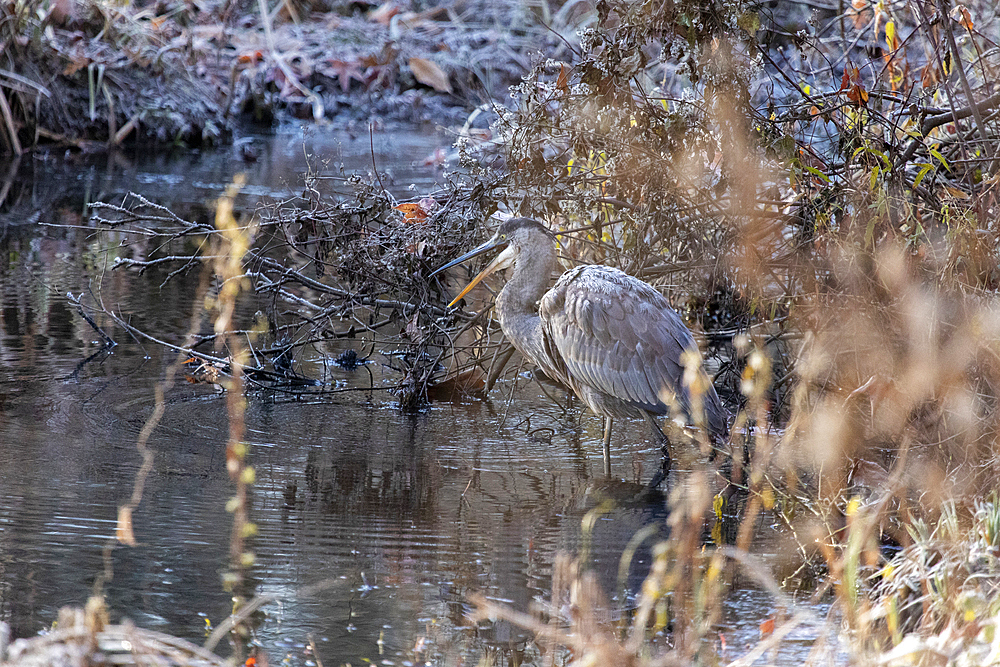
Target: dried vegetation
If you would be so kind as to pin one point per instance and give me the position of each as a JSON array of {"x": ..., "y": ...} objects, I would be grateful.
[
  {"x": 825, "y": 186},
  {"x": 90, "y": 74}
]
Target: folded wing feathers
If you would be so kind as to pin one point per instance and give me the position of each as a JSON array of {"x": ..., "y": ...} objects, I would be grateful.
[{"x": 616, "y": 334}]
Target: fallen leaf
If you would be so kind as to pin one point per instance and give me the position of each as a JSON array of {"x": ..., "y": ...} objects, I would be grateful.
[
  {"x": 76, "y": 64},
  {"x": 429, "y": 74},
  {"x": 344, "y": 71},
  {"x": 383, "y": 13},
  {"x": 956, "y": 193},
  {"x": 64, "y": 12},
  {"x": 767, "y": 627}
]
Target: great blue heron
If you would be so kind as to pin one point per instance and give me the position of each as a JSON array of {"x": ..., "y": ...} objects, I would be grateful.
[{"x": 611, "y": 338}]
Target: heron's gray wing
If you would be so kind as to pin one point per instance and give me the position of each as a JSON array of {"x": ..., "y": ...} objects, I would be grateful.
[{"x": 619, "y": 336}]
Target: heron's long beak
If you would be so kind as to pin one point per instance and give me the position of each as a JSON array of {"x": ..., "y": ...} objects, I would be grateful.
[{"x": 501, "y": 261}]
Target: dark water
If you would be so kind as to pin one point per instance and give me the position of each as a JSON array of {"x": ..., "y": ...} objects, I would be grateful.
[{"x": 375, "y": 525}]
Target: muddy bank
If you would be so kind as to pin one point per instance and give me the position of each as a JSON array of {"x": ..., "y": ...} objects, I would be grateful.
[{"x": 91, "y": 75}]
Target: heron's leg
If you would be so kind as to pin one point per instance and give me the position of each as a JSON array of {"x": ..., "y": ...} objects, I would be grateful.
[
  {"x": 607, "y": 445},
  {"x": 664, "y": 469}
]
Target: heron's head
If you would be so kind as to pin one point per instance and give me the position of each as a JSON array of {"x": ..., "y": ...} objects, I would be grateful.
[{"x": 515, "y": 236}]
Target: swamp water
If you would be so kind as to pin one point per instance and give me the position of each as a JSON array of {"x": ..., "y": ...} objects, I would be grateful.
[{"x": 375, "y": 525}]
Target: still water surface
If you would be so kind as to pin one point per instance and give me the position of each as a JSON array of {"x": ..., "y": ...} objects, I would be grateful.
[{"x": 375, "y": 525}]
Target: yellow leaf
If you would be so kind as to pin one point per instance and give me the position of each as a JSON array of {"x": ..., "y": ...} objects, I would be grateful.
[
  {"x": 890, "y": 35},
  {"x": 429, "y": 74}
]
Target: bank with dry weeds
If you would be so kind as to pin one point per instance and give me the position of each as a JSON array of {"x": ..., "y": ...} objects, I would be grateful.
[{"x": 91, "y": 75}]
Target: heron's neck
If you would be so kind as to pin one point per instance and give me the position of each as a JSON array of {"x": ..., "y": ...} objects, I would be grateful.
[{"x": 529, "y": 280}]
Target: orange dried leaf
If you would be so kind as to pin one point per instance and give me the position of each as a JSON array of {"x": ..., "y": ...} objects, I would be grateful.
[
  {"x": 962, "y": 15},
  {"x": 767, "y": 627},
  {"x": 344, "y": 71},
  {"x": 253, "y": 57},
  {"x": 967, "y": 20},
  {"x": 857, "y": 18},
  {"x": 562, "y": 82},
  {"x": 429, "y": 74},
  {"x": 75, "y": 65},
  {"x": 929, "y": 76},
  {"x": 858, "y": 95},
  {"x": 814, "y": 110},
  {"x": 413, "y": 212},
  {"x": 851, "y": 83},
  {"x": 858, "y": 5}
]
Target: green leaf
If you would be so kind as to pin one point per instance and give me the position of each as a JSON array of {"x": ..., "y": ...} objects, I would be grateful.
[
  {"x": 924, "y": 168},
  {"x": 940, "y": 158},
  {"x": 816, "y": 172},
  {"x": 883, "y": 158}
]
